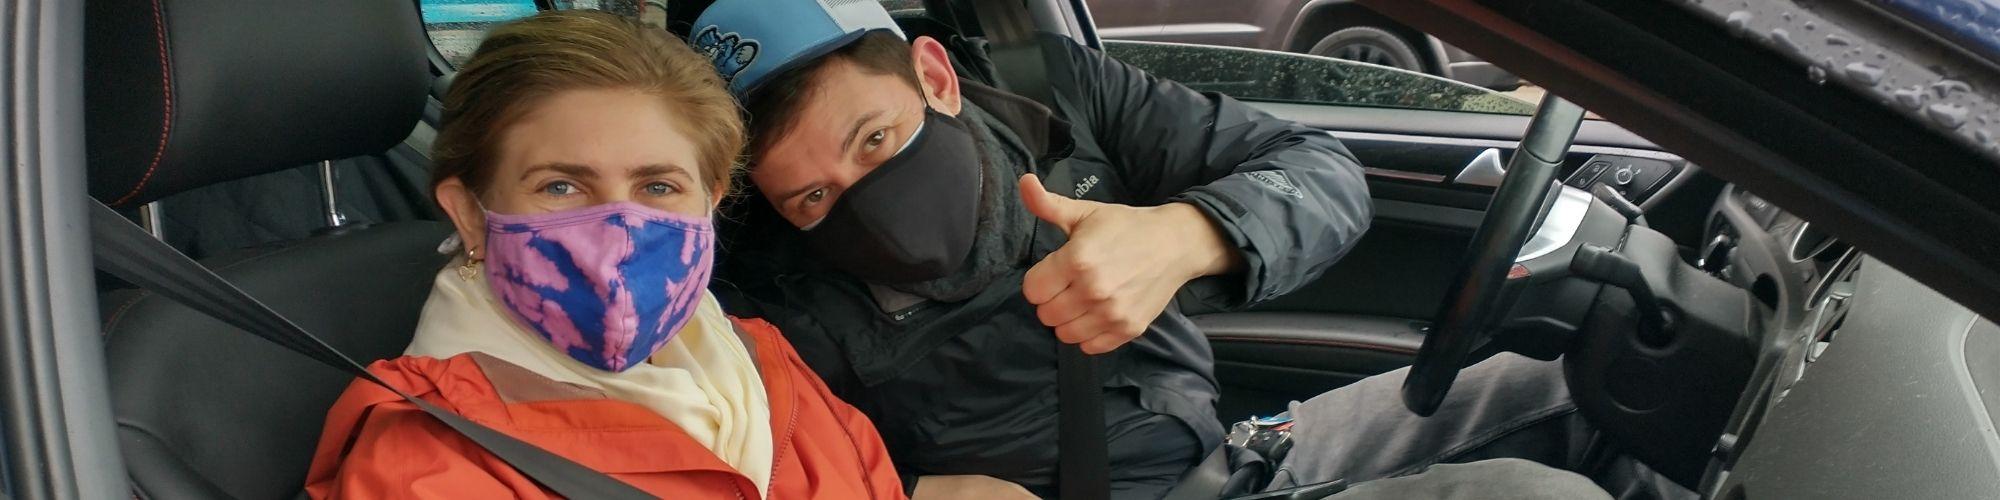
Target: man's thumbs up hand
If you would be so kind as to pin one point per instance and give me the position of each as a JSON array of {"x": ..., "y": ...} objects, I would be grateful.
[
  {"x": 1121, "y": 266},
  {"x": 1065, "y": 213}
]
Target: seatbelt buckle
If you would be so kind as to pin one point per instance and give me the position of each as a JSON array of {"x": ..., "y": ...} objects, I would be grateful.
[{"x": 1270, "y": 437}]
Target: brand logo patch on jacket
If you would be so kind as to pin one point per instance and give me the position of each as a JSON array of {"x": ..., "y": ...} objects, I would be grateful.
[
  {"x": 1084, "y": 187},
  {"x": 1278, "y": 181},
  {"x": 729, "y": 52}
]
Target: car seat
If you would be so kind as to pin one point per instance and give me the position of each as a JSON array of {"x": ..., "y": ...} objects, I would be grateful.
[{"x": 187, "y": 93}]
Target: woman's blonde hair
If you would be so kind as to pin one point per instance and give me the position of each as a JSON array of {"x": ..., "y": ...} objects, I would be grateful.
[{"x": 525, "y": 61}]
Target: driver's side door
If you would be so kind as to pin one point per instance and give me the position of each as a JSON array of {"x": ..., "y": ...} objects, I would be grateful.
[{"x": 1418, "y": 137}]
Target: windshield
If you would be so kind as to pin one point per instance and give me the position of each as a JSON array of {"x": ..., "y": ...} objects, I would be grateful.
[{"x": 1262, "y": 75}]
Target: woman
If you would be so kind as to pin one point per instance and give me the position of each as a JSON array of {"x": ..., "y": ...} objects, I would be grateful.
[{"x": 580, "y": 158}]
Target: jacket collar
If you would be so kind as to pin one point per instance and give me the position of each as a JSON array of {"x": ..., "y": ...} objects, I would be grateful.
[
  {"x": 1046, "y": 135},
  {"x": 606, "y": 434}
]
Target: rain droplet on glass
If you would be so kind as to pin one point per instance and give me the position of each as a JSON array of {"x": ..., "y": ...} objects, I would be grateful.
[
  {"x": 1946, "y": 114},
  {"x": 1864, "y": 73},
  {"x": 1740, "y": 20},
  {"x": 1945, "y": 88},
  {"x": 1912, "y": 97}
]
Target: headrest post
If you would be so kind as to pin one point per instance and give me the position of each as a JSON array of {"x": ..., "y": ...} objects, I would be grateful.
[
  {"x": 149, "y": 218},
  {"x": 328, "y": 202}
]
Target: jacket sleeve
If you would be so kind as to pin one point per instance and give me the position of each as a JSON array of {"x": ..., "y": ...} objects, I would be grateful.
[{"x": 1290, "y": 197}]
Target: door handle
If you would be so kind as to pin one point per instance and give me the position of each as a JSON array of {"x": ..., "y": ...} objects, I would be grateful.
[{"x": 1484, "y": 170}]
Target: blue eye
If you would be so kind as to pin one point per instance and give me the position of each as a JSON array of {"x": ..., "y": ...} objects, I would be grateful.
[
  {"x": 559, "y": 188},
  {"x": 660, "y": 189}
]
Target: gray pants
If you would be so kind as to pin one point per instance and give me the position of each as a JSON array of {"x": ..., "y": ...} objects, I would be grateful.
[
  {"x": 1508, "y": 406},
  {"x": 1496, "y": 479}
]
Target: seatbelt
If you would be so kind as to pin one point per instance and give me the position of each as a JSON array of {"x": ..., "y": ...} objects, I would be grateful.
[
  {"x": 124, "y": 250},
  {"x": 1206, "y": 480},
  {"x": 1083, "y": 458}
]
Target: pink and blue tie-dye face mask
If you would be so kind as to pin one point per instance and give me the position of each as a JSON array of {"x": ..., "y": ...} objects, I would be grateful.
[{"x": 608, "y": 284}]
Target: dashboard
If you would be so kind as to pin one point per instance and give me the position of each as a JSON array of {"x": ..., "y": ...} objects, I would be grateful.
[
  {"x": 1803, "y": 275},
  {"x": 1798, "y": 256},
  {"x": 1904, "y": 405}
]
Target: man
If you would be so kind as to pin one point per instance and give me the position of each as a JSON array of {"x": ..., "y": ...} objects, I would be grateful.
[{"x": 927, "y": 242}]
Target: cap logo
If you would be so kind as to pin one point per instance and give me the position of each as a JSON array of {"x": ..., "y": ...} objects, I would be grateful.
[{"x": 729, "y": 52}]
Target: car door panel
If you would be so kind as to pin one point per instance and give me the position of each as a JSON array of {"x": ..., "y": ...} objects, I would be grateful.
[
  {"x": 1368, "y": 312},
  {"x": 1443, "y": 125},
  {"x": 1264, "y": 357}
]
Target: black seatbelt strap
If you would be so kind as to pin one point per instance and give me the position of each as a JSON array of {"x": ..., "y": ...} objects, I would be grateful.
[
  {"x": 124, "y": 250},
  {"x": 1083, "y": 457},
  {"x": 1206, "y": 480},
  {"x": 1082, "y": 452}
]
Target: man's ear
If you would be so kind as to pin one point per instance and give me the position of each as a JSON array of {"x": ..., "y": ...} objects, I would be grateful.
[
  {"x": 934, "y": 71},
  {"x": 463, "y": 208}
]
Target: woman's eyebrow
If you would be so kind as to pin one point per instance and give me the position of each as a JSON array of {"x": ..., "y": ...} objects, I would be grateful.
[
  {"x": 657, "y": 169},
  {"x": 569, "y": 169}
]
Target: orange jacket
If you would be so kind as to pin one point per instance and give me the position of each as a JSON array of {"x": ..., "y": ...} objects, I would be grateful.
[{"x": 376, "y": 445}]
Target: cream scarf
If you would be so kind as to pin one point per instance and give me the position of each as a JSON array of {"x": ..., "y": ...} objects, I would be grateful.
[{"x": 704, "y": 380}]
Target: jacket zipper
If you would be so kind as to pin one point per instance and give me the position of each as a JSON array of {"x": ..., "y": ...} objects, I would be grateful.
[
  {"x": 866, "y": 481},
  {"x": 783, "y": 443}
]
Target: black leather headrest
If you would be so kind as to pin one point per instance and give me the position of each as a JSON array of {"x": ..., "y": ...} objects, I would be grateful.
[{"x": 184, "y": 93}]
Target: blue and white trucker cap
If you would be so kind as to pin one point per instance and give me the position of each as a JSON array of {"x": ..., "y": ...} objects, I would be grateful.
[{"x": 750, "y": 41}]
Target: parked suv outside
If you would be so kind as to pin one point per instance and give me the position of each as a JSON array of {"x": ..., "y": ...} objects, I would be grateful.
[{"x": 1339, "y": 29}]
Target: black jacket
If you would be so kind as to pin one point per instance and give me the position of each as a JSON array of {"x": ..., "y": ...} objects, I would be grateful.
[{"x": 969, "y": 387}]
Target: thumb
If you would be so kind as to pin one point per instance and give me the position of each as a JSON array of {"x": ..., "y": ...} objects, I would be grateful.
[{"x": 1064, "y": 213}]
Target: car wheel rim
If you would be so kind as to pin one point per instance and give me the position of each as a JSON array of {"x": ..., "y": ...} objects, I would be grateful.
[{"x": 1366, "y": 53}]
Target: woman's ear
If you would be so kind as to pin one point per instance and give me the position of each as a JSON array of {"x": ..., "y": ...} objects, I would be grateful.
[
  {"x": 462, "y": 206},
  {"x": 934, "y": 72}
]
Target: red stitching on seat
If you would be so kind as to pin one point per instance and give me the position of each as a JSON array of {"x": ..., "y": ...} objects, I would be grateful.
[
  {"x": 1316, "y": 342},
  {"x": 166, "y": 115}
]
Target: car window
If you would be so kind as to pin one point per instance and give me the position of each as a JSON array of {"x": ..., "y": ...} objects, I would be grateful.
[
  {"x": 1974, "y": 25},
  {"x": 1260, "y": 75},
  {"x": 653, "y": 12},
  {"x": 457, "y": 26},
  {"x": 1333, "y": 53},
  {"x": 903, "y": 7}
]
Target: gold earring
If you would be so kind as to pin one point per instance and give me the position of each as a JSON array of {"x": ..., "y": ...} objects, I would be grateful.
[{"x": 470, "y": 268}]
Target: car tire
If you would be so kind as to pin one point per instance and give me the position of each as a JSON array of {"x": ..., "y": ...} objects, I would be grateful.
[{"x": 1370, "y": 45}]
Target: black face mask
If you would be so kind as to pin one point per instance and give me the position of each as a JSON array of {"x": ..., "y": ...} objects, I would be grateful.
[{"x": 913, "y": 218}]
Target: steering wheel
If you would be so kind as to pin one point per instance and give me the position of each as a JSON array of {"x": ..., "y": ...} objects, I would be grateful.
[{"x": 1510, "y": 219}]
